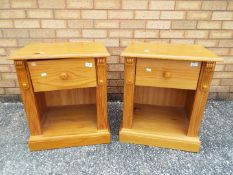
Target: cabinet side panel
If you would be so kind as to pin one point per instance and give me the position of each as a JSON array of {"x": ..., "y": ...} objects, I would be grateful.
[
  {"x": 29, "y": 98},
  {"x": 200, "y": 98},
  {"x": 129, "y": 80},
  {"x": 42, "y": 107},
  {"x": 189, "y": 103},
  {"x": 101, "y": 94}
]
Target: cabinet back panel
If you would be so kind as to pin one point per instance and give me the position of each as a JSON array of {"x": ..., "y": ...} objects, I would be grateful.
[
  {"x": 160, "y": 96},
  {"x": 71, "y": 97}
]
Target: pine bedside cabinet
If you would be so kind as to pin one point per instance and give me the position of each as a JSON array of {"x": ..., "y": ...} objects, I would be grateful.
[
  {"x": 63, "y": 87},
  {"x": 165, "y": 92}
]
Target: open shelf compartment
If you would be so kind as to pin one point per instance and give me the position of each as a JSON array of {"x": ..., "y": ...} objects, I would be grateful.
[
  {"x": 68, "y": 118},
  {"x": 161, "y": 118}
]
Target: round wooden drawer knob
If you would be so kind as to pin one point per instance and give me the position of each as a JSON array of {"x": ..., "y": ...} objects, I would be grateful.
[
  {"x": 64, "y": 76},
  {"x": 204, "y": 87},
  {"x": 25, "y": 86},
  {"x": 101, "y": 81},
  {"x": 167, "y": 74}
]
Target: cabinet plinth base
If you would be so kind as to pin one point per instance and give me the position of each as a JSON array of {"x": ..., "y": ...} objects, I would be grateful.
[
  {"x": 174, "y": 142},
  {"x": 41, "y": 142}
]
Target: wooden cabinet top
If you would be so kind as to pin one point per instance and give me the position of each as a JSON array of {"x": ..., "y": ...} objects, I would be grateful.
[
  {"x": 170, "y": 51},
  {"x": 60, "y": 50}
]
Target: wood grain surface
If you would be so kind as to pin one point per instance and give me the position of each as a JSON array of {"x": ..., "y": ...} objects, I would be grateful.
[
  {"x": 160, "y": 96},
  {"x": 160, "y": 126},
  {"x": 48, "y": 75},
  {"x": 34, "y": 115},
  {"x": 129, "y": 81},
  {"x": 186, "y": 52},
  {"x": 200, "y": 98},
  {"x": 71, "y": 97},
  {"x": 101, "y": 94},
  {"x": 167, "y": 73},
  {"x": 60, "y": 50},
  {"x": 67, "y": 126}
]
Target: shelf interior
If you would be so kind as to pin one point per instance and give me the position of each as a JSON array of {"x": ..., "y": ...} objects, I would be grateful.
[
  {"x": 68, "y": 120},
  {"x": 159, "y": 120}
]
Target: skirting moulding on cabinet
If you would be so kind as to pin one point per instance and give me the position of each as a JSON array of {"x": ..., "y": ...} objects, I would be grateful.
[
  {"x": 64, "y": 90},
  {"x": 165, "y": 93}
]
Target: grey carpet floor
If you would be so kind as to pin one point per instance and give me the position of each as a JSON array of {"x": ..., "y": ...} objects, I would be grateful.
[{"x": 216, "y": 156}]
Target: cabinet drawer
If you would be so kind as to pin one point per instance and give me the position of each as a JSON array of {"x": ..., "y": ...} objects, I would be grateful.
[
  {"x": 167, "y": 73},
  {"x": 61, "y": 74}
]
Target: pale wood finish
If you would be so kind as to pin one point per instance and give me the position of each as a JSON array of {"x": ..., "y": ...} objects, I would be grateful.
[
  {"x": 164, "y": 104},
  {"x": 41, "y": 142},
  {"x": 128, "y": 104},
  {"x": 60, "y": 50},
  {"x": 71, "y": 97},
  {"x": 65, "y": 99},
  {"x": 160, "y": 119},
  {"x": 41, "y": 105},
  {"x": 191, "y": 144},
  {"x": 101, "y": 94},
  {"x": 48, "y": 75},
  {"x": 189, "y": 103},
  {"x": 167, "y": 73},
  {"x": 160, "y": 126},
  {"x": 69, "y": 120},
  {"x": 67, "y": 126},
  {"x": 31, "y": 106},
  {"x": 200, "y": 98},
  {"x": 160, "y": 96},
  {"x": 186, "y": 52}
]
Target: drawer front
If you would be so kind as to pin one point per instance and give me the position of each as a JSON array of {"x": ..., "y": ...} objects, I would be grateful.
[
  {"x": 61, "y": 74},
  {"x": 167, "y": 73}
]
